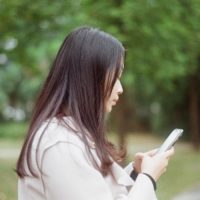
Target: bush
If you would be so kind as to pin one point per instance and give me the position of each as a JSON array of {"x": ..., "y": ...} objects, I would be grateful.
[{"x": 13, "y": 130}]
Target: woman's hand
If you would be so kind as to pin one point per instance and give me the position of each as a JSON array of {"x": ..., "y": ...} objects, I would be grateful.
[
  {"x": 138, "y": 159},
  {"x": 154, "y": 165},
  {"x": 157, "y": 164}
]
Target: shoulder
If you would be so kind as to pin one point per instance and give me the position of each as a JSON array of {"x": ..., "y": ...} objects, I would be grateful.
[{"x": 59, "y": 137}]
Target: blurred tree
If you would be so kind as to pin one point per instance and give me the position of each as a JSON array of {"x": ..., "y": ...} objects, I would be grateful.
[
  {"x": 161, "y": 77},
  {"x": 163, "y": 55},
  {"x": 30, "y": 33}
]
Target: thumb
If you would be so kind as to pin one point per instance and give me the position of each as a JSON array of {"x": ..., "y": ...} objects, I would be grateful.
[{"x": 139, "y": 155}]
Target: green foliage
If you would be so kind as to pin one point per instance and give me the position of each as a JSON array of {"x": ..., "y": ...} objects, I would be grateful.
[
  {"x": 31, "y": 32},
  {"x": 13, "y": 130},
  {"x": 162, "y": 42},
  {"x": 161, "y": 38}
]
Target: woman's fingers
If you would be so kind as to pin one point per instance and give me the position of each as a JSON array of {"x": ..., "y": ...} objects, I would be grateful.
[
  {"x": 151, "y": 152},
  {"x": 169, "y": 153}
]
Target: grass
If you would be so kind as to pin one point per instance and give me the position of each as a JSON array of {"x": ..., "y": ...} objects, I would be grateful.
[
  {"x": 182, "y": 172},
  {"x": 11, "y": 134},
  {"x": 8, "y": 183}
]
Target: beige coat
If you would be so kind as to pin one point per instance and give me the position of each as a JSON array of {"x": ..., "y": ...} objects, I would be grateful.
[{"x": 68, "y": 173}]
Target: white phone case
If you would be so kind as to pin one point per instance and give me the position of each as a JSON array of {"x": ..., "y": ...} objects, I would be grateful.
[{"x": 171, "y": 139}]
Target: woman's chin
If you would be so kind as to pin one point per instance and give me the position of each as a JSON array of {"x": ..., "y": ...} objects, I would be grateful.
[{"x": 108, "y": 109}]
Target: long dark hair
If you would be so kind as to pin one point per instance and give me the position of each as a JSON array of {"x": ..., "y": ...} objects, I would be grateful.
[{"x": 79, "y": 83}]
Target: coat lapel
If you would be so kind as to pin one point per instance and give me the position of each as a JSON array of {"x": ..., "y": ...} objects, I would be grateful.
[{"x": 121, "y": 176}]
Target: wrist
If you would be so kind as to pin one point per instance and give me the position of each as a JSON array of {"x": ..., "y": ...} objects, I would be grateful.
[
  {"x": 152, "y": 180},
  {"x": 152, "y": 173},
  {"x": 134, "y": 175}
]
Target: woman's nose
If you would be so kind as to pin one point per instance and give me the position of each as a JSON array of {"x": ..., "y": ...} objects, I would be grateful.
[{"x": 120, "y": 88}]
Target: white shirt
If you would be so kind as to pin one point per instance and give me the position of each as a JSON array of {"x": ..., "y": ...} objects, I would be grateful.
[{"x": 66, "y": 172}]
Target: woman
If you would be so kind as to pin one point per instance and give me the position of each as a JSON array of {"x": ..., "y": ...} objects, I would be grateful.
[{"x": 66, "y": 154}]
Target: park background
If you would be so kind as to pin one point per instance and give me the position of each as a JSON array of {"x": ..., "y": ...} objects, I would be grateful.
[{"x": 161, "y": 78}]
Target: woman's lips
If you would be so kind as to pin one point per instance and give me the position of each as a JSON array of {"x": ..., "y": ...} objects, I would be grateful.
[{"x": 115, "y": 101}]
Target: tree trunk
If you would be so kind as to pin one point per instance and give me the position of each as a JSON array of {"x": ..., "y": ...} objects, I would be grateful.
[{"x": 194, "y": 111}]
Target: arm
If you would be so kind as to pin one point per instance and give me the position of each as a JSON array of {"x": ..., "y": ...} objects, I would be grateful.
[
  {"x": 69, "y": 175},
  {"x": 131, "y": 171}
]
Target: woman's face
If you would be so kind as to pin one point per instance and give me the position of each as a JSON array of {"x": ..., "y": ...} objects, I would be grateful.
[{"x": 114, "y": 97}]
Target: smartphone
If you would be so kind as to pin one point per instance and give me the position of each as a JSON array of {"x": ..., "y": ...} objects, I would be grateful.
[{"x": 170, "y": 140}]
